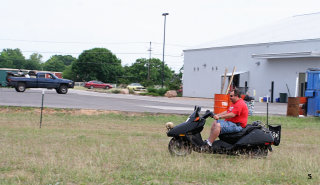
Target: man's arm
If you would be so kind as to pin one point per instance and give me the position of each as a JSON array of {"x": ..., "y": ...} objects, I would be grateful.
[
  {"x": 222, "y": 113},
  {"x": 224, "y": 116}
]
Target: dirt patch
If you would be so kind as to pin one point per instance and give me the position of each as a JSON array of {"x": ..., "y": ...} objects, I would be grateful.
[
  {"x": 76, "y": 111},
  {"x": 138, "y": 92},
  {"x": 93, "y": 112},
  {"x": 55, "y": 111},
  {"x": 50, "y": 111},
  {"x": 190, "y": 98}
]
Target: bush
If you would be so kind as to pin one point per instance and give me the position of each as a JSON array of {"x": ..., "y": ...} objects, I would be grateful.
[
  {"x": 156, "y": 92},
  {"x": 152, "y": 90},
  {"x": 116, "y": 91},
  {"x": 179, "y": 94},
  {"x": 162, "y": 91},
  {"x": 150, "y": 94},
  {"x": 131, "y": 91}
]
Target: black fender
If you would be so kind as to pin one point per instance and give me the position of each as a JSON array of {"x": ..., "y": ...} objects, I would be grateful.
[{"x": 256, "y": 137}]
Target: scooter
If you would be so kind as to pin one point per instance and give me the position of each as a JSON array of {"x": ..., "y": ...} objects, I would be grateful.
[{"x": 254, "y": 140}]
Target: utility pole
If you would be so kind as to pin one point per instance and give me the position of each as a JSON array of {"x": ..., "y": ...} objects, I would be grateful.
[
  {"x": 164, "y": 43},
  {"x": 149, "y": 62}
]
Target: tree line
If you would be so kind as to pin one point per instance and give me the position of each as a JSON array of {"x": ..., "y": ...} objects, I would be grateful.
[{"x": 95, "y": 64}]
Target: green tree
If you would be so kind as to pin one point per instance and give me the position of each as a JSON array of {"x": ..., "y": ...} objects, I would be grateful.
[
  {"x": 36, "y": 57},
  {"x": 97, "y": 64},
  {"x": 68, "y": 74},
  {"x": 58, "y": 62},
  {"x": 138, "y": 72},
  {"x": 125, "y": 78},
  {"x": 54, "y": 65},
  {"x": 12, "y": 58},
  {"x": 34, "y": 62},
  {"x": 4, "y": 63},
  {"x": 65, "y": 59},
  {"x": 175, "y": 82}
]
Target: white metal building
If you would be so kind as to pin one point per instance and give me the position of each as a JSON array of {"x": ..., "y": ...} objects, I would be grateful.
[{"x": 279, "y": 52}]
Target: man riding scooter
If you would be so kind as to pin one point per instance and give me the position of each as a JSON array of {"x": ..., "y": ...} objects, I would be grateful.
[{"x": 236, "y": 118}]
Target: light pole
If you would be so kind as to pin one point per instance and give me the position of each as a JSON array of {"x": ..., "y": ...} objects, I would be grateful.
[
  {"x": 149, "y": 62},
  {"x": 164, "y": 42}
]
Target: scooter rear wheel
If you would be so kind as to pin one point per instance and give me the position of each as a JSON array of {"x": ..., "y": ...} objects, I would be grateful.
[{"x": 179, "y": 147}]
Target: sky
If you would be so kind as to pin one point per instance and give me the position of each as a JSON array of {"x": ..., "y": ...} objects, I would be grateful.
[{"x": 126, "y": 27}]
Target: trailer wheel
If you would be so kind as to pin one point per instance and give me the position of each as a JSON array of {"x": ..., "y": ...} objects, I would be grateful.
[{"x": 21, "y": 87}]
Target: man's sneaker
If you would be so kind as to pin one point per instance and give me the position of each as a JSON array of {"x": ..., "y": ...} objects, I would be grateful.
[
  {"x": 206, "y": 148},
  {"x": 205, "y": 142}
]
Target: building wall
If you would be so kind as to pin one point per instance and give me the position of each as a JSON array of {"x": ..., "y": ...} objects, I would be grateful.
[{"x": 204, "y": 68}]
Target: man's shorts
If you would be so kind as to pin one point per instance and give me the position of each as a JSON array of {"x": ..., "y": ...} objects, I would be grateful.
[{"x": 229, "y": 127}]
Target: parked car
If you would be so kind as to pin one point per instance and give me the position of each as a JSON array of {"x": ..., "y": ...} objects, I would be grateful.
[
  {"x": 97, "y": 84},
  {"x": 135, "y": 87}
]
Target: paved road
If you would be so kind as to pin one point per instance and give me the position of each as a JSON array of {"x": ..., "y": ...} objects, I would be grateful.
[{"x": 105, "y": 101}]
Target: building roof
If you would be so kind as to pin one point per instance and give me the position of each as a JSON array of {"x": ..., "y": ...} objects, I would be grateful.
[{"x": 296, "y": 28}]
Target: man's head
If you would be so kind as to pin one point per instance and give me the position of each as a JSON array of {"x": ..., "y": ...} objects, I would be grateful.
[{"x": 235, "y": 95}]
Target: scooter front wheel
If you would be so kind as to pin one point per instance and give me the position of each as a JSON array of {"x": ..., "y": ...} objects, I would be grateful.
[{"x": 179, "y": 147}]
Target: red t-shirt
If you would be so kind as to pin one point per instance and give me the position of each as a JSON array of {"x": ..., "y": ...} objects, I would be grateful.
[{"x": 240, "y": 109}]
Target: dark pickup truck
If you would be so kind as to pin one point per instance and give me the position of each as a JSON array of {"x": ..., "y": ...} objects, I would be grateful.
[{"x": 40, "y": 80}]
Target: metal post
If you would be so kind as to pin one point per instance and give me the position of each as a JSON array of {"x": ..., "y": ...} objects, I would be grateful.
[
  {"x": 272, "y": 91},
  {"x": 41, "y": 108},
  {"x": 164, "y": 41},
  {"x": 149, "y": 62},
  {"x": 267, "y": 111}
]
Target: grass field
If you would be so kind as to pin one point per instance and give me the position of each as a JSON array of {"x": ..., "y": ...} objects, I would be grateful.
[{"x": 95, "y": 147}]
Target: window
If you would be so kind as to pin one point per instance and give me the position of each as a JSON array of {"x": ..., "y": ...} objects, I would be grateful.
[{"x": 42, "y": 75}]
